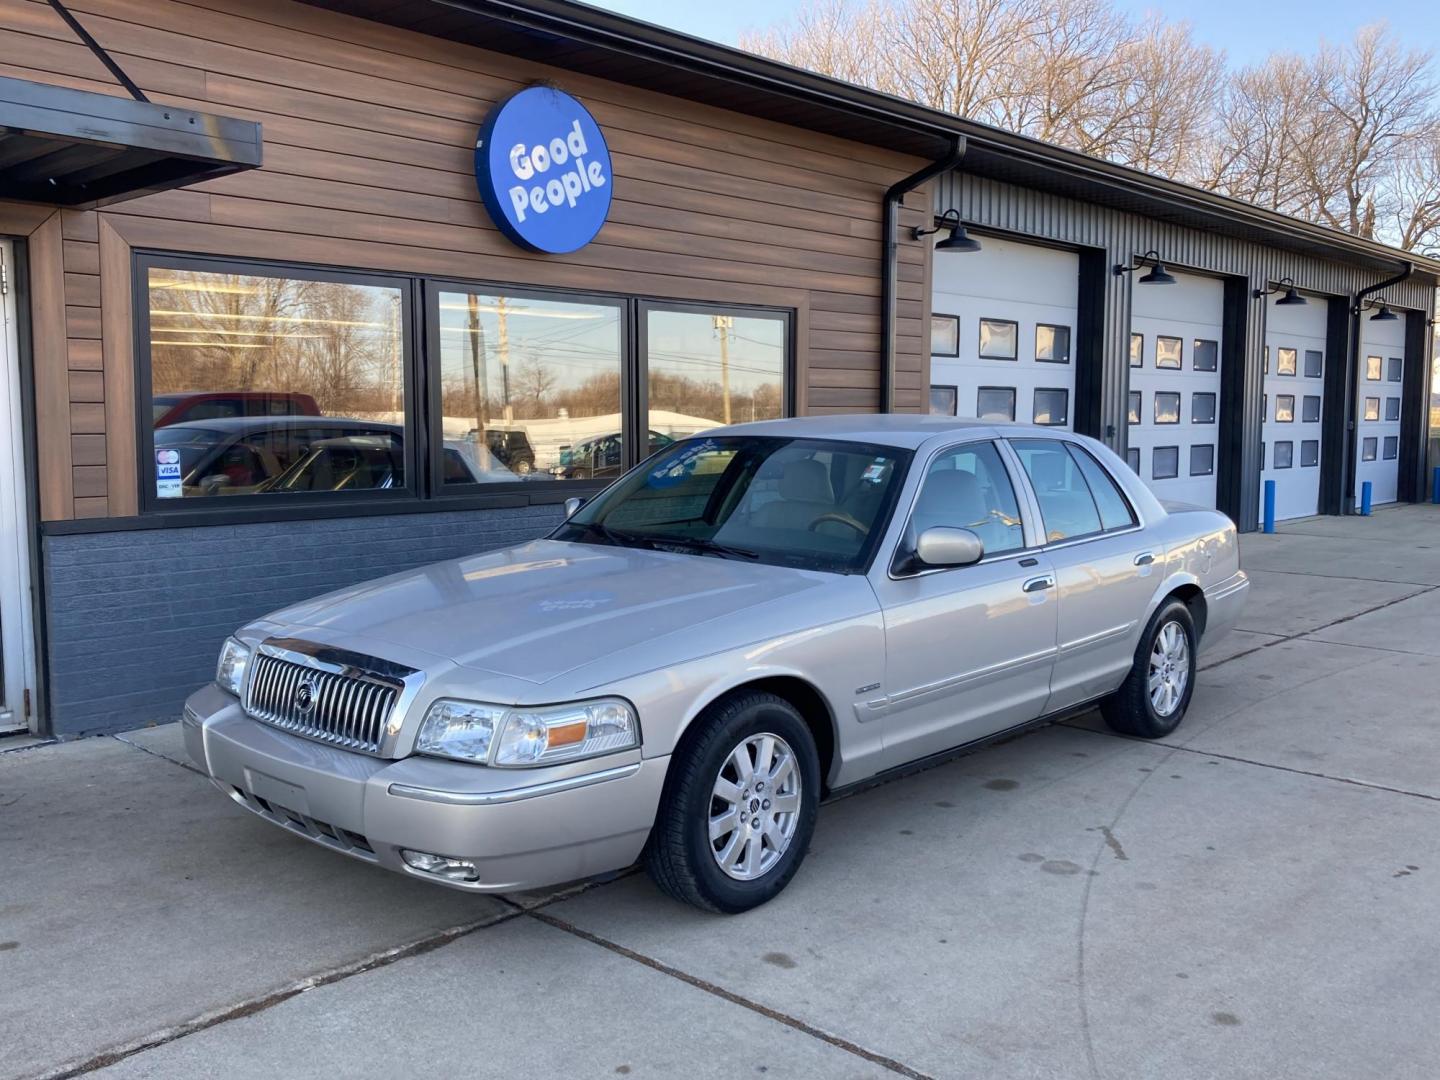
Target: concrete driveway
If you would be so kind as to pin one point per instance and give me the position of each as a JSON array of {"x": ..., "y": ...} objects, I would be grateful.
[{"x": 1255, "y": 896}]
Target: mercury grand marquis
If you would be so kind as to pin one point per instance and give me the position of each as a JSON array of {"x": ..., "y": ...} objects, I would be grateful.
[{"x": 748, "y": 622}]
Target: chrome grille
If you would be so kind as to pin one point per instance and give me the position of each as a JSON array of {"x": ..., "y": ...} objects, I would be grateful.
[{"x": 340, "y": 704}]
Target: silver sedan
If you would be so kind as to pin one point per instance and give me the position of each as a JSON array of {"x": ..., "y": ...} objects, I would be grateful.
[{"x": 750, "y": 621}]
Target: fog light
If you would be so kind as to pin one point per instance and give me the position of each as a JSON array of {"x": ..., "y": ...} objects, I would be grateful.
[{"x": 440, "y": 865}]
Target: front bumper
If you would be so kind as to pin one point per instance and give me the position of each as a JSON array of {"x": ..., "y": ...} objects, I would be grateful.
[
  {"x": 1223, "y": 603},
  {"x": 522, "y": 829}
]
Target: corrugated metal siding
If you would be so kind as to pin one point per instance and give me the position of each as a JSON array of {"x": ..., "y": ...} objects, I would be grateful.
[{"x": 991, "y": 204}]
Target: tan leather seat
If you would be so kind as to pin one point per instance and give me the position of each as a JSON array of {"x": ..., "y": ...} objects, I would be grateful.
[{"x": 804, "y": 496}]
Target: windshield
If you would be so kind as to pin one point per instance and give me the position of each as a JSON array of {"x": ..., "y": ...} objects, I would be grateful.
[{"x": 790, "y": 502}]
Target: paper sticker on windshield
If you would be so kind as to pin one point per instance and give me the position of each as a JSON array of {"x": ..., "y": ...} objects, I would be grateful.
[
  {"x": 677, "y": 469},
  {"x": 874, "y": 473},
  {"x": 167, "y": 474}
]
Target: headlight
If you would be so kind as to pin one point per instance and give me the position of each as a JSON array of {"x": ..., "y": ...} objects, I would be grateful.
[
  {"x": 230, "y": 671},
  {"x": 517, "y": 737}
]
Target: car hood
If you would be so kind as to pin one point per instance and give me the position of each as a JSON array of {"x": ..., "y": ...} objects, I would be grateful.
[{"x": 536, "y": 611}]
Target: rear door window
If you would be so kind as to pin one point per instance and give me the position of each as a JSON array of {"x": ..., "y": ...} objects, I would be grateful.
[{"x": 1067, "y": 508}]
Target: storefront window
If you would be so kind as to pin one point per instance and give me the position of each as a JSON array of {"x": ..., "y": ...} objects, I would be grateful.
[
  {"x": 705, "y": 368},
  {"x": 268, "y": 384},
  {"x": 529, "y": 388}
]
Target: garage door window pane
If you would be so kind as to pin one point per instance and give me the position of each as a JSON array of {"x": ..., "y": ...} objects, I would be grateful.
[
  {"x": 1169, "y": 352},
  {"x": 1202, "y": 408},
  {"x": 1202, "y": 459},
  {"x": 1132, "y": 458},
  {"x": 1135, "y": 404},
  {"x": 1392, "y": 408},
  {"x": 707, "y": 368},
  {"x": 1165, "y": 463},
  {"x": 944, "y": 400},
  {"x": 1314, "y": 363},
  {"x": 1310, "y": 409},
  {"x": 1285, "y": 361},
  {"x": 1066, "y": 505},
  {"x": 1052, "y": 343},
  {"x": 1052, "y": 407},
  {"x": 529, "y": 387},
  {"x": 944, "y": 335},
  {"x": 1137, "y": 350},
  {"x": 1284, "y": 454},
  {"x": 995, "y": 403},
  {"x": 1397, "y": 369},
  {"x": 1309, "y": 453},
  {"x": 265, "y": 383},
  {"x": 1367, "y": 448},
  {"x": 1267, "y": 359},
  {"x": 999, "y": 339},
  {"x": 1284, "y": 408},
  {"x": 1392, "y": 447},
  {"x": 1167, "y": 407},
  {"x": 1372, "y": 368},
  {"x": 1372, "y": 408},
  {"x": 1207, "y": 355}
]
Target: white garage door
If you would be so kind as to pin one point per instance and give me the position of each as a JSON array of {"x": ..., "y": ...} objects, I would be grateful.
[
  {"x": 1377, "y": 408},
  {"x": 1294, "y": 403},
  {"x": 1175, "y": 386},
  {"x": 1002, "y": 334}
]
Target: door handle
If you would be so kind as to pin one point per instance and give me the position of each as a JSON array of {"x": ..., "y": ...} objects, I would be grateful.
[
  {"x": 1145, "y": 558},
  {"x": 1039, "y": 584}
]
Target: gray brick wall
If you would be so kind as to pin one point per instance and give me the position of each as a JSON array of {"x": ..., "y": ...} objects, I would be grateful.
[{"x": 135, "y": 619}]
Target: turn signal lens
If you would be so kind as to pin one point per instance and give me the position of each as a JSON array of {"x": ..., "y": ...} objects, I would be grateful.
[{"x": 566, "y": 732}]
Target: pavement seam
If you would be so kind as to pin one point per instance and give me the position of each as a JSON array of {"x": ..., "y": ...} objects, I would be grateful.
[
  {"x": 1262, "y": 764},
  {"x": 162, "y": 757},
  {"x": 269, "y": 1000},
  {"x": 1343, "y": 577},
  {"x": 1282, "y": 639},
  {"x": 888, "y": 1063}
]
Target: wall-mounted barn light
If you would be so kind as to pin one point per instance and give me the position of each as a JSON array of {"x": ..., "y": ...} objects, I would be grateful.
[
  {"x": 1291, "y": 297},
  {"x": 1158, "y": 275},
  {"x": 956, "y": 241},
  {"x": 1384, "y": 314}
]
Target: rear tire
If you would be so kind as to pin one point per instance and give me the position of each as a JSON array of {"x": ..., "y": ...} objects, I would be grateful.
[
  {"x": 1153, "y": 699},
  {"x": 738, "y": 808}
]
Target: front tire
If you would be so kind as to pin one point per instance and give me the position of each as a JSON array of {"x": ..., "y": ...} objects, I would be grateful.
[
  {"x": 739, "y": 804},
  {"x": 1153, "y": 699}
]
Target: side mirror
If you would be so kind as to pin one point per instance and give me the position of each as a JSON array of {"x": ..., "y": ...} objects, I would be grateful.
[
  {"x": 573, "y": 504},
  {"x": 942, "y": 546}
]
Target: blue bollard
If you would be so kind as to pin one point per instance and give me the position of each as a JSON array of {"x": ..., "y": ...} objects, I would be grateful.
[
  {"x": 1365, "y": 491},
  {"x": 1269, "y": 525},
  {"x": 1435, "y": 486}
]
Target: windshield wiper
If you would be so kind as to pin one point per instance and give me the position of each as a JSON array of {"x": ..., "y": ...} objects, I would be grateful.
[
  {"x": 710, "y": 547},
  {"x": 614, "y": 536}
]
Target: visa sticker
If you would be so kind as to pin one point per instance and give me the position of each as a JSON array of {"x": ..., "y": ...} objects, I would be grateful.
[{"x": 167, "y": 474}]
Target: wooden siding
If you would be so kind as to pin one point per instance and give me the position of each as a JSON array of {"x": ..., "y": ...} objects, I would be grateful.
[{"x": 369, "y": 136}]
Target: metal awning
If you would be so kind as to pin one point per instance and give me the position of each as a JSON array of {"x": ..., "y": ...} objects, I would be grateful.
[{"x": 77, "y": 148}]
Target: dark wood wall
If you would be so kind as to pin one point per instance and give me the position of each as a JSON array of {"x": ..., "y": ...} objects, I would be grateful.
[{"x": 369, "y": 136}]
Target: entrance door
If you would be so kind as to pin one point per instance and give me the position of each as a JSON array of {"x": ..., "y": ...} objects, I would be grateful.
[
  {"x": 1377, "y": 407},
  {"x": 17, "y": 647},
  {"x": 1175, "y": 386},
  {"x": 1294, "y": 402}
]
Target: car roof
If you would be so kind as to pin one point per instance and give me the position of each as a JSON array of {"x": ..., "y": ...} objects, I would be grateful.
[
  {"x": 241, "y": 425},
  {"x": 909, "y": 430}
]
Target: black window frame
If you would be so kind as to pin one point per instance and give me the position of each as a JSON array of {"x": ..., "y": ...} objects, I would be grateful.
[
  {"x": 1156, "y": 396},
  {"x": 1389, "y": 402},
  {"x": 1062, "y": 390},
  {"x": 1379, "y": 368},
  {"x": 424, "y": 489},
  {"x": 1056, "y": 329},
  {"x": 1195, "y": 353},
  {"x": 1390, "y": 448},
  {"x": 1137, "y": 361},
  {"x": 1134, "y": 465},
  {"x": 1366, "y": 418},
  {"x": 1305, "y": 401},
  {"x": 1289, "y": 444},
  {"x": 1279, "y": 399},
  {"x": 1294, "y": 361},
  {"x": 1309, "y": 453},
  {"x": 1014, "y": 399},
  {"x": 1134, "y": 407},
  {"x": 1154, "y": 453},
  {"x": 1395, "y": 369},
  {"x": 1210, "y": 471},
  {"x": 953, "y": 320},
  {"x": 980, "y": 334},
  {"x": 1203, "y": 395},
  {"x": 414, "y": 435},
  {"x": 954, "y": 392},
  {"x": 1179, "y": 364},
  {"x": 1372, "y": 444},
  {"x": 1319, "y": 372}
]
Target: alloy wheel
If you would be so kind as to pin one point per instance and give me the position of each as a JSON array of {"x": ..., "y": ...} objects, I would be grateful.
[
  {"x": 1169, "y": 672},
  {"x": 754, "y": 807}
]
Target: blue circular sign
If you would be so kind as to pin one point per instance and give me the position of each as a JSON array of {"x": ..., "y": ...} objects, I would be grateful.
[{"x": 544, "y": 170}]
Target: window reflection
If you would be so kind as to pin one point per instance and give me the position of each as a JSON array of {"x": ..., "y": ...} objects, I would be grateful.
[
  {"x": 710, "y": 368},
  {"x": 263, "y": 383},
  {"x": 529, "y": 388}
]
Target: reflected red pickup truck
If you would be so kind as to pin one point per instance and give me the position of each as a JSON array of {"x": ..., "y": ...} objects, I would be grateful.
[{"x": 215, "y": 405}]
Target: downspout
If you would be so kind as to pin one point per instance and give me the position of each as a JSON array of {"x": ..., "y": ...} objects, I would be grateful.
[
  {"x": 890, "y": 270},
  {"x": 1352, "y": 371}
]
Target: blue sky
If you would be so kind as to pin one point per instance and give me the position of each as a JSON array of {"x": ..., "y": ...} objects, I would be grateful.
[{"x": 1246, "y": 29}]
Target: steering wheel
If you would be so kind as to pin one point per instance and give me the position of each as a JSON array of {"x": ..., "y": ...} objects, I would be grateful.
[{"x": 841, "y": 518}]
